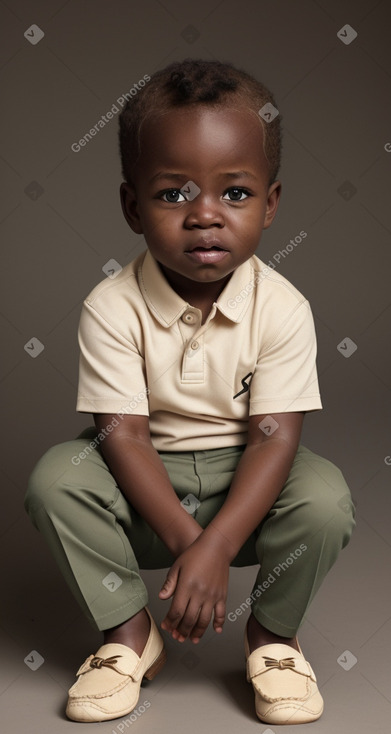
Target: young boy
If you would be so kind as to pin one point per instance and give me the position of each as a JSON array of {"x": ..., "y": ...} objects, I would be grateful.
[{"x": 198, "y": 364}]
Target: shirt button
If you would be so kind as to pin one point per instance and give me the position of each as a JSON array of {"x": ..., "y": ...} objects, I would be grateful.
[
  {"x": 194, "y": 345},
  {"x": 189, "y": 318}
]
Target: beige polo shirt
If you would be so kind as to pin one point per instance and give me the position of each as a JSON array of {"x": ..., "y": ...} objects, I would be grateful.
[{"x": 143, "y": 351}]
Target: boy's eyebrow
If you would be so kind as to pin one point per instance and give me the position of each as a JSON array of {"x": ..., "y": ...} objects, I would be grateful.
[
  {"x": 181, "y": 176},
  {"x": 239, "y": 174},
  {"x": 167, "y": 174}
]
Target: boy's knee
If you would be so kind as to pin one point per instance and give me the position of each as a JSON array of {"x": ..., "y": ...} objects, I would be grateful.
[
  {"x": 46, "y": 478},
  {"x": 325, "y": 500},
  {"x": 331, "y": 508}
]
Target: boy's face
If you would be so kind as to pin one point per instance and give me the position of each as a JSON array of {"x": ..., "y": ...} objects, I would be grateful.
[{"x": 202, "y": 238}]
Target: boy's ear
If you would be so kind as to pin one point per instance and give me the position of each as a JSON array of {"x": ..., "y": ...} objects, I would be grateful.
[
  {"x": 130, "y": 208},
  {"x": 273, "y": 199}
]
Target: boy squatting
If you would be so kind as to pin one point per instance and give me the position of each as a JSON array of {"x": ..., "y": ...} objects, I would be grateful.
[{"x": 221, "y": 421}]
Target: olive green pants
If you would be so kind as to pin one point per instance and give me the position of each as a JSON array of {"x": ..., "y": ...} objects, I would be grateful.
[{"x": 100, "y": 542}]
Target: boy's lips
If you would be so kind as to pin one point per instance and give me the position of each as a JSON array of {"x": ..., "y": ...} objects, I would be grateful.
[
  {"x": 203, "y": 245},
  {"x": 206, "y": 256},
  {"x": 206, "y": 251}
]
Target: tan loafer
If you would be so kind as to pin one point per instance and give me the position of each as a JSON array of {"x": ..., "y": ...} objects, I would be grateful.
[
  {"x": 284, "y": 683},
  {"x": 108, "y": 684}
]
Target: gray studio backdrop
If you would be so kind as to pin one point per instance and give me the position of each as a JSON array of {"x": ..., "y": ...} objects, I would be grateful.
[{"x": 64, "y": 66}]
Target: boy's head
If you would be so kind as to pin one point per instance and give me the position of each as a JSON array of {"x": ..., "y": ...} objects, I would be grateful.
[
  {"x": 191, "y": 83},
  {"x": 200, "y": 166}
]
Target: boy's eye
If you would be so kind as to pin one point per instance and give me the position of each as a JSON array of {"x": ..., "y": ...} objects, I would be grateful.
[
  {"x": 171, "y": 196},
  {"x": 236, "y": 194}
]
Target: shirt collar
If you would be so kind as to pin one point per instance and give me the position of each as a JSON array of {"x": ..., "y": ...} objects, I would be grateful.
[{"x": 168, "y": 307}]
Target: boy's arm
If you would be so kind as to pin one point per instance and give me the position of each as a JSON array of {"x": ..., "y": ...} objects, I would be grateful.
[
  {"x": 259, "y": 479},
  {"x": 143, "y": 479}
]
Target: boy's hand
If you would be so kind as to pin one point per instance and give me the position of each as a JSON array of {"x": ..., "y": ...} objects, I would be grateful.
[{"x": 198, "y": 582}]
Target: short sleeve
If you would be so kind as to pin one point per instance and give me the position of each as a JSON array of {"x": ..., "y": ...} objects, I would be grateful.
[
  {"x": 111, "y": 369},
  {"x": 285, "y": 378}
]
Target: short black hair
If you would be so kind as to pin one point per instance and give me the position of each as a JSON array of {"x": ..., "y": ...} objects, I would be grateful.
[{"x": 196, "y": 82}]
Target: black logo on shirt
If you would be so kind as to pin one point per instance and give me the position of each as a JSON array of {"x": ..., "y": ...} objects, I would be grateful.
[{"x": 246, "y": 386}]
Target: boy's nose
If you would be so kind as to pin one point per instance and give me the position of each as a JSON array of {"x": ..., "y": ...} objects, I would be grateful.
[{"x": 204, "y": 211}]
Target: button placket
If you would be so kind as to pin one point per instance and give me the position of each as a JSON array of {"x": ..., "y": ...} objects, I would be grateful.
[
  {"x": 193, "y": 365},
  {"x": 193, "y": 360},
  {"x": 188, "y": 325}
]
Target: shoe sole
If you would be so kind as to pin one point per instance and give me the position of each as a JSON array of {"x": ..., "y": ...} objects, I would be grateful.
[{"x": 156, "y": 666}]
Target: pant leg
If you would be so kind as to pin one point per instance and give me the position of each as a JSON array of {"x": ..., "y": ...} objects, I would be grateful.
[
  {"x": 80, "y": 511},
  {"x": 299, "y": 541},
  {"x": 97, "y": 539}
]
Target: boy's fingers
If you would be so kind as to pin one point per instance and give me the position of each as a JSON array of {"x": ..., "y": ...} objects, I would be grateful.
[
  {"x": 219, "y": 616},
  {"x": 202, "y": 623},
  {"x": 189, "y": 620},
  {"x": 176, "y": 611},
  {"x": 169, "y": 585}
]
